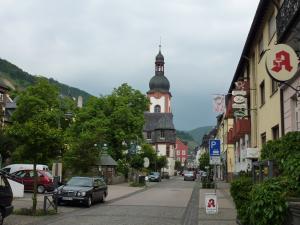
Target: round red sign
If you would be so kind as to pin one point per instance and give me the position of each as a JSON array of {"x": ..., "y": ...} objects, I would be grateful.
[{"x": 282, "y": 62}]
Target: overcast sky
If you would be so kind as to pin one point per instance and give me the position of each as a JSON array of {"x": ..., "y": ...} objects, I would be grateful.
[{"x": 96, "y": 45}]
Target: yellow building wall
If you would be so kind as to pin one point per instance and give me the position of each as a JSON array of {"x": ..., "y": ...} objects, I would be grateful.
[{"x": 268, "y": 114}]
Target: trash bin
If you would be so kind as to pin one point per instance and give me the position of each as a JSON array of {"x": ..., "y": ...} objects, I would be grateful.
[{"x": 141, "y": 179}]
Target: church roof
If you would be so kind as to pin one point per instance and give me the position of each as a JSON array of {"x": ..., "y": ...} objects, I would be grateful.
[
  {"x": 159, "y": 83},
  {"x": 155, "y": 121}
]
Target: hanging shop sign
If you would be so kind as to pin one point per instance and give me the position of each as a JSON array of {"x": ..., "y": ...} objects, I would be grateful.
[
  {"x": 282, "y": 62},
  {"x": 239, "y": 99},
  {"x": 236, "y": 92}
]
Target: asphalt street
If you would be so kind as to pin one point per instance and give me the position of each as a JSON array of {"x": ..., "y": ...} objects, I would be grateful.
[
  {"x": 173, "y": 201},
  {"x": 165, "y": 203}
]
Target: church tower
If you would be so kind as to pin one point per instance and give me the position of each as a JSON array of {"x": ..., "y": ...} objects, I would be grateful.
[
  {"x": 159, "y": 130},
  {"x": 159, "y": 94}
]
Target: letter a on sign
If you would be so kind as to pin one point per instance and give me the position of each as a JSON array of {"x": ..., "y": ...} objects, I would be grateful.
[{"x": 281, "y": 62}]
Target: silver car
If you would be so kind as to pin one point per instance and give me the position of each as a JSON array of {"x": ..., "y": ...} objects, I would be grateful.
[{"x": 189, "y": 175}]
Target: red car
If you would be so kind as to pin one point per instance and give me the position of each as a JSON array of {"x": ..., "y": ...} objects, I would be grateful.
[{"x": 26, "y": 177}]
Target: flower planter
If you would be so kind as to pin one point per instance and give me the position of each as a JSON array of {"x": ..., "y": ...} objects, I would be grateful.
[{"x": 293, "y": 217}]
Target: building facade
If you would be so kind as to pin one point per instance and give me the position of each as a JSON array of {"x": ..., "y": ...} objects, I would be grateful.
[
  {"x": 159, "y": 130},
  {"x": 259, "y": 108},
  {"x": 181, "y": 151}
]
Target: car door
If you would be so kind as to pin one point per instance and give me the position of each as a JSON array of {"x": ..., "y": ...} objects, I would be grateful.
[
  {"x": 103, "y": 186},
  {"x": 97, "y": 189},
  {"x": 28, "y": 180}
]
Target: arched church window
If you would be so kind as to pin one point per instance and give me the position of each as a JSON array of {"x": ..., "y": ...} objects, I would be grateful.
[{"x": 157, "y": 108}]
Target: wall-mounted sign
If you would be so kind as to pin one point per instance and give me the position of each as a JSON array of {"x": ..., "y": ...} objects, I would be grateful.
[
  {"x": 282, "y": 62},
  {"x": 239, "y": 106},
  {"x": 234, "y": 93},
  {"x": 240, "y": 113},
  {"x": 239, "y": 99}
]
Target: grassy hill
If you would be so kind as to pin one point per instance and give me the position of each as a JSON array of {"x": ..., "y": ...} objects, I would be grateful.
[{"x": 17, "y": 80}]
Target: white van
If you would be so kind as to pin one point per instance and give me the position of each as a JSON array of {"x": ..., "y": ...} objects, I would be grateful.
[{"x": 16, "y": 167}]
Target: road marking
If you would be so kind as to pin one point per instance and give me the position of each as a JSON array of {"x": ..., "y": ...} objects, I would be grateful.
[{"x": 190, "y": 216}]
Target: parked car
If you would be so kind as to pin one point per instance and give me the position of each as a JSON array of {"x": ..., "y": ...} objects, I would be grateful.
[
  {"x": 6, "y": 197},
  {"x": 26, "y": 177},
  {"x": 17, "y": 167},
  {"x": 189, "y": 175},
  {"x": 165, "y": 175},
  {"x": 83, "y": 190},
  {"x": 154, "y": 176}
]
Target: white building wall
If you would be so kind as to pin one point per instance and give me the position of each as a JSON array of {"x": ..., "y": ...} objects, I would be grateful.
[
  {"x": 161, "y": 151},
  {"x": 157, "y": 101}
]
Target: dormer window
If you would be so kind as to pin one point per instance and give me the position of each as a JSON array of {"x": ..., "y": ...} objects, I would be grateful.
[{"x": 157, "y": 108}]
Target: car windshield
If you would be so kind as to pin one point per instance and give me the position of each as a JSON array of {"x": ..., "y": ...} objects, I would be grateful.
[
  {"x": 189, "y": 172},
  {"x": 154, "y": 173},
  {"x": 80, "y": 181}
]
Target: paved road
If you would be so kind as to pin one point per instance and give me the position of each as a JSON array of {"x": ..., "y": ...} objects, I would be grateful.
[
  {"x": 164, "y": 203},
  {"x": 173, "y": 201}
]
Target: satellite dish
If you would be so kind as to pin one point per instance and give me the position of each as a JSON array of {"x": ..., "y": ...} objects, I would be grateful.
[{"x": 146, "y": 162}]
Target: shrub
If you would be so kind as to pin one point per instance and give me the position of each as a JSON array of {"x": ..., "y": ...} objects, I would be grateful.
[
  {"x": 208, "y": 184},
  {"x": 240, "y": 191},
  {"x": 267, "y": 203}
]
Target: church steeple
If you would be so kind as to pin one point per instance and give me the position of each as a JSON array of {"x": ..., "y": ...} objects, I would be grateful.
[
  {"x": 159, "y": 83},
  {"x": 159, "y": 63}
]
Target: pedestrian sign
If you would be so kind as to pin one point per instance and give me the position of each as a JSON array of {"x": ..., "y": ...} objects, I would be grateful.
[
  {"x": 214, "y": 147},
  {"x": 211, "y": 203}
]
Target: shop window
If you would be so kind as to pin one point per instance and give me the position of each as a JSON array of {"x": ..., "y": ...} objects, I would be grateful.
[
  {"x": 149, "y": 135},
  {"x": 262, "y": 93},
  {"x": 168, "y": 151},
  {"x": 261, "y": 47},
  {"x": 272, "y": 26},
  {"x": 274, "y": 86},
  {"x": 275, "y": 132},
  {"x": 263, "y": 138}
]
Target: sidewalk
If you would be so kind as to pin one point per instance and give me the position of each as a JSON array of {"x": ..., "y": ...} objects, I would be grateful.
[
  {"x": 114, "y": 192},
  {"x": 226, "y": 209}
]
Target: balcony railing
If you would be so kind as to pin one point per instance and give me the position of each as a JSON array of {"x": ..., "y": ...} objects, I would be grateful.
[{"x": 286, "y": 14}]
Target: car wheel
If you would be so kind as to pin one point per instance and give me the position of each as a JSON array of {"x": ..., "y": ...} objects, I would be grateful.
[
  {"x": 1, "y": 217},
  {"x": 89, "y": 202},
  {"x": 103, "y": 199},
  {"x": 40, "y": 189}
]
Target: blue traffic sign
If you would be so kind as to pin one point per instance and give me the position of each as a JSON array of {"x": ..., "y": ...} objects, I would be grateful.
[{"x": 214, "y": 147}]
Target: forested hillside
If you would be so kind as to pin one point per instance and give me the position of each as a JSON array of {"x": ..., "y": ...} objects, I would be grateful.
[{"x": 17, "y": 79}]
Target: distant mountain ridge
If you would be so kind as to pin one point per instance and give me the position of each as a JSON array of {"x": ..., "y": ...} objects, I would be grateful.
[
  {"x": 193, "y": 137},
  {"x": 17, "y": 80}
]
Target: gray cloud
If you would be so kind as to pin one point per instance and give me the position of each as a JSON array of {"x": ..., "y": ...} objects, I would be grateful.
[{"x": 96, "y": 45}]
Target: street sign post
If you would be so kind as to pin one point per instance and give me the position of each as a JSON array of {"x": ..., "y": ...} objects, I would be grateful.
[{"x": 214, "y": 147}]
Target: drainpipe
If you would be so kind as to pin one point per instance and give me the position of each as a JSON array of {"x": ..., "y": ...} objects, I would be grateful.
[{"x": 282, "y": 112}]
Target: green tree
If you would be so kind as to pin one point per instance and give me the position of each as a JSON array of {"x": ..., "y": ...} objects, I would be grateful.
[
  {"x": 178, "y": 166},
  {"x": 149, "y": 152},
  {"x": 161, "y": 162},
  {"x": 7, "y": 145},
  {"x": 204, "y": 161},
  {"x": 112, "y": 119},
  {"x": 85, "y": 137},
  {"x": 125, "y": 109},
  {"x": 34, "y": 126}
]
